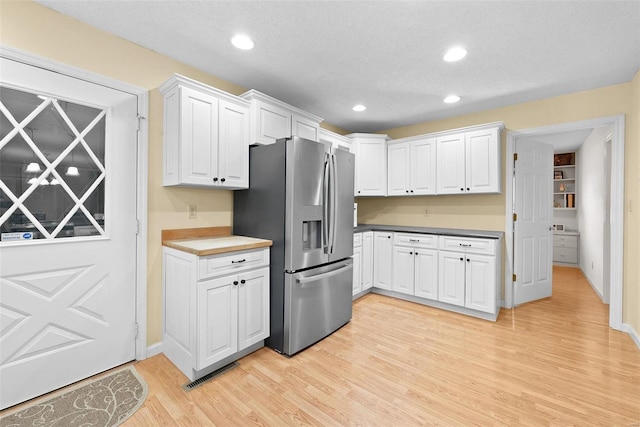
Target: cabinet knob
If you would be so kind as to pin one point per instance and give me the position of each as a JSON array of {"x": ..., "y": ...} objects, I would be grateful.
[
  {"x": 410, "y": 253},
  {"x": 222, "y": 180},
  {"x": 358, "y": 191},
  {"x": 243, "y": 281},
  {"x": 235, "y": 283},
  {"x": 416, "y": 253},
  {"x": 462, "y": 189},
  {"x": 388, "y": 237},
  {"x": 468, "y": 260},
  {"x": 406, "y": 191},
  {"x": 412, "y": 191},
  {"x": 215, "y": 179},
  {"x": 467, "y": 187},
  {"x": 461, "y": 259}
]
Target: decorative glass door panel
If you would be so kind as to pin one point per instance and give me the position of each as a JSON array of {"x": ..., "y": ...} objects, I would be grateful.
[{"x": 52, "y": 167}]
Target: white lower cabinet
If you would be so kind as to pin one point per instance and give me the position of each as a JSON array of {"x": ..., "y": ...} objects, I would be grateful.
[
  {"x": 382, "y": 259},
  {"x": 362, "y": 261},
  {"x": 415, "y": 265},
  {"x": 467, "y": 275},
  {"x": 216, "y": 308},
  {"x": 357, "y": 265}
]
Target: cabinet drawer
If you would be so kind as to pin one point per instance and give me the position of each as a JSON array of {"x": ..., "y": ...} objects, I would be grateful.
[
  {"x": 215, "y": 265},
  {"x": 565, "y": 241},
  {"x": 568, "y": 255},
  {"x": 468, "y": 244},
  {"x": 428, "y": 241},
  {"x": 357, "y": 239}
]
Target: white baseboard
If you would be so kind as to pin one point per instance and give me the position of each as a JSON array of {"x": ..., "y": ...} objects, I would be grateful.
[
  {"x": 632, "y": 333},
  {"x": 592, "y": 285},
  {"x": 154, "y": 349}
]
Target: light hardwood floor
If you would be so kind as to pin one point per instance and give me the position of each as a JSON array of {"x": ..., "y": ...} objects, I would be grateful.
[{"x": 551, "y": 362}]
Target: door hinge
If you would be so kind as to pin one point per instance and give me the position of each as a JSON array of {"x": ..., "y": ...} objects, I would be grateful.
[
  {"x": 514, "y": 277},
  {"x": 515, "y": 216},
  {"x": 137, "y": 226},
  {"x": 515, "y": 156},
  {"x": 140, "y": 118},
  {"x": 136, "y": 331}
]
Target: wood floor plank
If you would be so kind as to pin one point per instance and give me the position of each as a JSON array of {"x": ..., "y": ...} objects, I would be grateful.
[{"x": 549, "y": 362}]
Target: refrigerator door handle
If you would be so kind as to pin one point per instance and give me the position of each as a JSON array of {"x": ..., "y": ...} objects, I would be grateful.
[
  {"x": 334, "y": 200},
  {"x": 302, "y": 279},
  {"x": 325, "y": 204}
]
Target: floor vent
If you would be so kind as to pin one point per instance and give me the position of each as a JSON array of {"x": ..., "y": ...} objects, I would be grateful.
[{"x": 200, "y": 381}]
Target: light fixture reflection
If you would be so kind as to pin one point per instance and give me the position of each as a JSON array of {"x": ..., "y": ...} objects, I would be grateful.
[
  {"x": 451, "y": 99},
  {"x": 359, "y": 108},
  {"x": 34, "y": 180},
  {"x": 242, "y": 42},
  {"x": 33, "y": 167},
  {"x": 72, "y": 171},
  {"x": 54, "y": 181}
]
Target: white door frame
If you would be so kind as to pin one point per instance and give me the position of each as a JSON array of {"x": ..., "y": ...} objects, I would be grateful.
[
  {"x": 616, "y": 250},
  {"x": 142, "y": 164}
]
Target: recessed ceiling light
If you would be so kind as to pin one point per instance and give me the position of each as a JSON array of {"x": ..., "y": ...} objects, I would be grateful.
[
  {"x": 456, "y": 53},
  {"x": 359, "y": 107},
  {"x": 451, "y": 99},
  {"x": 242, "y": 42}
]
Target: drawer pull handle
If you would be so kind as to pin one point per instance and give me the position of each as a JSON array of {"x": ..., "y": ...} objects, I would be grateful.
[
  {"x": 238, "y": 262},
  {"x": 243, "y": 281},
  {"x": 235, "y": 283},
  {"x": 414, "y": 240},
  {"x": 464, "y": 245}
]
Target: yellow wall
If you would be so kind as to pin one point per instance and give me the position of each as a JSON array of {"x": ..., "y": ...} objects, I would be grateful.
[
  {"x": 631, "y": 308},
  {"x": 488, "y": 212},
  {"x": 35, "y": 29}
]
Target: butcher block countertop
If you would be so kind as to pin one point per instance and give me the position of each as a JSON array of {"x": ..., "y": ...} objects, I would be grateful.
[{"x": 210, "y": 241}]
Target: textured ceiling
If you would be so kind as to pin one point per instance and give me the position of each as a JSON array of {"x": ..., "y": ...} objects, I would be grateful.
[{"x": 326, "y": 56}]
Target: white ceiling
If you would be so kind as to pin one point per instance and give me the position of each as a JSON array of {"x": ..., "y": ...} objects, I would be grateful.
[{"x": 326, "y": 56}]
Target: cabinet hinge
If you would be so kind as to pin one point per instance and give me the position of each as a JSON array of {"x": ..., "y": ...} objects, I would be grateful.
[
  {"x": 140, "y": 118},
  {"x": 514, "y": 277},
  {"x": 137, "y": 226},
  {"x": 515, "y": 156},
  {"x": 136, "y": 327},
  {"x": 515, "y": 216}
]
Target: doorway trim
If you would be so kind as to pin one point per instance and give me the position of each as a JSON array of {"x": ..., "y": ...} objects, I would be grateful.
[
  {"x": 616, "y": 250},
  {"x": 142, "y": 172}
]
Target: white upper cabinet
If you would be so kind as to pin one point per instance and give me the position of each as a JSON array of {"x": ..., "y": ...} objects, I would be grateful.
[
  {"x": 272, "y": 119},
  {"x": 468, "y": 161},
  {"x": 411, "y": 167},
  {"x": 371, "y": 164},
  {"x": 206, "y": 136},
  {"x": 336, "y": 140}
]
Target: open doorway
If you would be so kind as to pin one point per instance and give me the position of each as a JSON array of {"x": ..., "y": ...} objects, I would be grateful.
[{"x": 611, "y": 219}]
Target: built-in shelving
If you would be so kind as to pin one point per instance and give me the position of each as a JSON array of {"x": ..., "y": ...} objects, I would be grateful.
[{"x": 564, "y": 181}]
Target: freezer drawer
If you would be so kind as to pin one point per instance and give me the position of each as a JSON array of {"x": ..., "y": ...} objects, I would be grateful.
[{"x": 317, "y": 302}]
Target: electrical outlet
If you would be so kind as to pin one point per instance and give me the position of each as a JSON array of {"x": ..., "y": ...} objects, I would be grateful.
[{"x": 193, "y": 211}]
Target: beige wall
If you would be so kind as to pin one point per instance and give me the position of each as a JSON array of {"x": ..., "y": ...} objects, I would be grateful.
[
  {"x": 33, "y": 28},
  {"x": 488, "y": 212},
  {"x": 631, "y": 307}
]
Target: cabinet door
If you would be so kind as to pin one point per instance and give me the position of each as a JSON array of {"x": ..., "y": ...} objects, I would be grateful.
[
  {"x": 305, "y": 128},
  {"x": 480, "y": 292},
  {"x": 253, "y": 307},
  {"x": 426, "y": 273},
  {"x": 482, "y": 162},
  {"x": 451, "y": 277},
  {"x": 402, "y": 278},
  {"x": 217, "y": 320},
  {"x": 233, "y": 159},
  {"x": 357, "y": 269},
  {"x": 367, "y": 260},
  {"x": 270, "y": 123},
  {"x": 199, "y": 137},
  {"x": 423, "y": 167},
  {"x": 450, "y": 167},
  {"x": 398, "y": 173},
  {"x": 371, "y": 165},
  {"x": 382, "y": 259}
]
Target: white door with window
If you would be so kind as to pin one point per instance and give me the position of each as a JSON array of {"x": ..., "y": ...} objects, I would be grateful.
[
  {"x": 533, "y": 235},
  {"x": 68, "y": 230}
]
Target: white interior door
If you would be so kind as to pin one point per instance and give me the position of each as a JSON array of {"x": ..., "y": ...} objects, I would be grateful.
[
  {"x": 68, "y": 226},
  {"x": 533, "y": 235}
]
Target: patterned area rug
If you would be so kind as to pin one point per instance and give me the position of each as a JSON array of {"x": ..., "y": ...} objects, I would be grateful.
[{"x": 106, "y": 401}]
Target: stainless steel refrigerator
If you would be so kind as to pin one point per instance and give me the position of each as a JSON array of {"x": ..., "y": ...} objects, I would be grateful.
[{"x": 301, "y": 198}]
